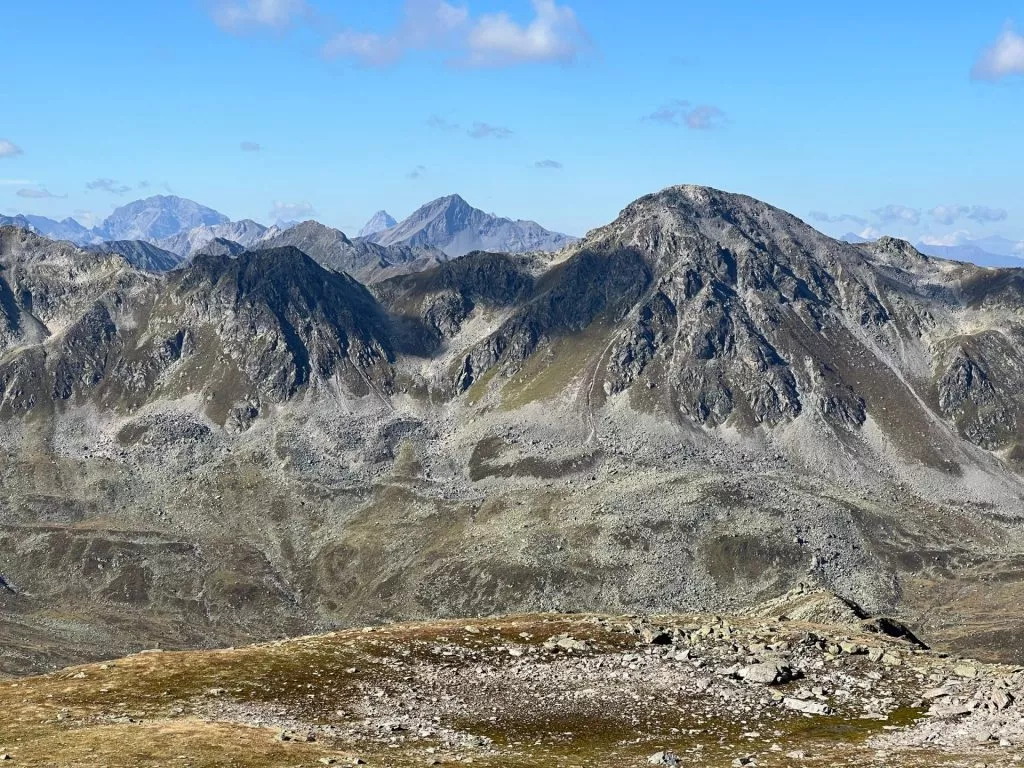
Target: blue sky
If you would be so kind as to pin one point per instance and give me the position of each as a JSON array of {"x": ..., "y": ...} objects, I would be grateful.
[{"x": 903, "y": 119}]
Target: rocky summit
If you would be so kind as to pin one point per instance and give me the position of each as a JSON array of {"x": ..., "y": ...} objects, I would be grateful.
[
  {"x": 457, "y": 228},
  {"x": 691, "y": 410}
]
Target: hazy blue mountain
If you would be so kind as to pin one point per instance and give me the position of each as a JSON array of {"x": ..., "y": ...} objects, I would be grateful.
[
  {"x": 1000, "y": 246},
  {"x": 68, "y": 229},
  {"x": 157, "y": 217},
  {"x": 381, "y": 220},
  {"x": 851, "y": 237},
  {"x": 16, "y": 221},
  {"x": 972, "y": 253},
  {"x": 245, "y": 232},
  {"x": 455, "y": 227}
]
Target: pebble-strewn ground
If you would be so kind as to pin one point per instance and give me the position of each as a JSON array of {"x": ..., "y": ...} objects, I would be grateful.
[{"x": 549, "y": 690}]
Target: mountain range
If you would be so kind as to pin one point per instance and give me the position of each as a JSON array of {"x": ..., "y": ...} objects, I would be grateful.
[
  {"x": 695, "y": 407},
  {"x": 455, "y": 227},
  {"x": 985, "y": 252},
  {"x": 184, "y": 228}
]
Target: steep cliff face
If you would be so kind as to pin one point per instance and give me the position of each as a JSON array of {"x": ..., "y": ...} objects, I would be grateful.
[{"x": 242, "y": 332}]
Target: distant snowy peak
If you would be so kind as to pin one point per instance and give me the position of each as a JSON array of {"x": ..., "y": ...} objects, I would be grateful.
[
  {"x": 457, "y": 228},
  {"x": 381, "y": 220}
]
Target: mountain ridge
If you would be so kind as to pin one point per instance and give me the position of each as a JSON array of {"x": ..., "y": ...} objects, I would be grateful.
[
  {"x": 455, "y": 227},
  {"x": 693, "y": 407}
]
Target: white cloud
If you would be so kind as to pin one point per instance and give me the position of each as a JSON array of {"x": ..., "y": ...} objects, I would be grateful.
[
  {"x": 953, "y": 238},
  {"x": 291, "y": 211},
  {"x": 1003, "y": 58},
  {"x": 870, "y": 233},
  {"x": 554, "y": 34},
  {"x": 9, "y": 149},
  {"x": 243, "y": 15},
  {"x": 15, "y": 182},
  {"x": 552, "y": 165},
  {"x": 250, "y": 146},
  {"x": 702, "y": 117},
  {"x": 1019, "y": 248},
  {"x": 425, "y": 25},
  {"x": 900, "y": 213}
]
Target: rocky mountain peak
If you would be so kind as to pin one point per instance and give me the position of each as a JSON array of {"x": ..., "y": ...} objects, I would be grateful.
[
  {"x": 381, "y": 221},
  {"x": 157, "y": 217},
  {"x": 457, "y": 228},
  {"x": 321, "y": 232}
]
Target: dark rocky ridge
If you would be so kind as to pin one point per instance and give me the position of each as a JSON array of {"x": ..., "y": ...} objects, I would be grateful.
[
  {"x": 364, "y": 260},
  {"x": 690, "y": 408},
  {"x": 141, "y": 254}
]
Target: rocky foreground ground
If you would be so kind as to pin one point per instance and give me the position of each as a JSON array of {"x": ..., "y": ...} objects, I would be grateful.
[{"x": 775, "y": 687}]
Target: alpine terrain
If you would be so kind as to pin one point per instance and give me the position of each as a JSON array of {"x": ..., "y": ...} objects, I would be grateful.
[{"x": 693, "y": 408}]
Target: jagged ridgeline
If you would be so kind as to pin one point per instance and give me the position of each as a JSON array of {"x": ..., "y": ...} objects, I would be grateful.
[{"x": 690, "y": 408}]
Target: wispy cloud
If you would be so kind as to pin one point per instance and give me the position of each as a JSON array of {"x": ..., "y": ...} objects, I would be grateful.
[
  {"x": 86, "y": 217},
  {"x": 947, "y": 214},
  {"x": 291, "y": 211},
  {"x": 425, "y": 25},
  {"x": 552, "y": 165},
  {"x": 250, "y": 146},
  {"x": 108, "y": 185},
  {"x": 898, "y": 213},
  {"x": 552, "y": 35},
  {"x": 240, "y": 16},
  {"x": 1005, "y": 57},
  {"x": 15, "y": 182},
  {"x": 416, "y": 173},
  {"x": 983, "y": 214},
  {"x": 9, "y": 149},
  {"x": 825, "y": 218},
  {"x": 440, "y": 124},
  {"x": 37, "y": 193},
  {"x": 952, "y": 238},
  {"x": 488, "y": 131},
  {"x": 700, "y": 117}
]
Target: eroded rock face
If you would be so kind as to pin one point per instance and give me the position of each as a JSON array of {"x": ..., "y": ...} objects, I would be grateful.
[{"x": 693, "y": 407}]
